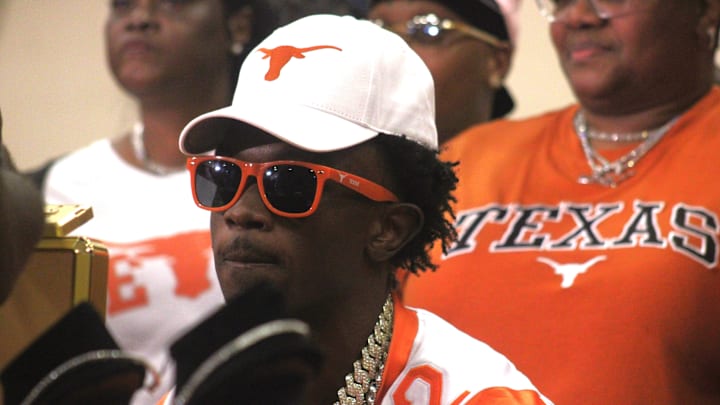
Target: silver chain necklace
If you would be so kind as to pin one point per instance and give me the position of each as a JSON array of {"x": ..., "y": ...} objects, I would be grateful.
[
  {"x": 616, "y": 136},
  {"x": 610, "y": 174},
  {"x": 137, "y": 139},
  {"x": 362, "y": 384}
]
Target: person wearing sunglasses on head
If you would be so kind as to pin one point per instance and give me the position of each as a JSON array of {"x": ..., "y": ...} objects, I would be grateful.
[
  {"x": 468, "y": 47},
  {"x": 588, "y": 246},
  {"x": 322, "y": 184}
]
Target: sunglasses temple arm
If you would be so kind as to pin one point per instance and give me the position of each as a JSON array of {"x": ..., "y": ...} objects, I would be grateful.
[{"x": 363, "y": 186}]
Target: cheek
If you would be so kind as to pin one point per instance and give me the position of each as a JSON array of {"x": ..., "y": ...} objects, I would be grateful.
[
  {"x": 111, "y": 38},
  {"x": 218, "y": 229},
  {"x": 206, "y": 25},
  {"x": 344, "y": 232},
  {"x": 457, "y": 73},
  {"x": 557, "y": 36}
]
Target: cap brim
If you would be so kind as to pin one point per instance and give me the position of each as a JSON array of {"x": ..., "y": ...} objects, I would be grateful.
[
  {"x": 241, "y": 347},
  {"x": 74, "y": 357},
  {"x": 279, "y": 365},
  {"x": 108, "y": 381},
  {"x": 302, "y": 126}
]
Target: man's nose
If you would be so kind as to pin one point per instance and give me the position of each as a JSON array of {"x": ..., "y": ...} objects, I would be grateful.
[
  {"x": 143, "y": 15},
  {"x": 249, "y": 211}
]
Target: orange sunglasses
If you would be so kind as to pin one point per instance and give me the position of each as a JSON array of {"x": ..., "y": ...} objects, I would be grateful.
[{"x": 288, "y": 188}]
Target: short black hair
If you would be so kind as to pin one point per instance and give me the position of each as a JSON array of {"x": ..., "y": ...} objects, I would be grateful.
[{"x": 422, "y": 179}]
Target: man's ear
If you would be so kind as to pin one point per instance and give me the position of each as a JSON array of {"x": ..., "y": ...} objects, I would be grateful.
[
  {"x": 239, "y": 25},
  {"x": 394, "y": 229},
  {"x": 498, "y": 66}
]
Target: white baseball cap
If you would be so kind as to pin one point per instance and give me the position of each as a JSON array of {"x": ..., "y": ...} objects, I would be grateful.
[{"x": 324, "y": 83}]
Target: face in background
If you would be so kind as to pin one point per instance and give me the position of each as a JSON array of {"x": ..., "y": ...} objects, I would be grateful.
[
  {"x": 163, "y": 44},
  {"x": 462, "y": 67},
  {"x": 318, "y": 262},
  {"x": 646, "y": 58}
]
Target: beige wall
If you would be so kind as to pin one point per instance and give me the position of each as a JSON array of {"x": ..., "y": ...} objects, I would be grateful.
[{"x": 56, "y": 93}]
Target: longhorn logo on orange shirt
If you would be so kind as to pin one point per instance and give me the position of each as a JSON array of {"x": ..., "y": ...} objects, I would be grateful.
[{"x": 280, "y": 56}]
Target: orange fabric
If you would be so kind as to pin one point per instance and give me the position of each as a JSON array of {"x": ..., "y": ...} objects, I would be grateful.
[
  {"x": 505, "y": 396},
  {"x": 599, "y": 295},
  {"x": 430, "y": 376},
  {"x": 412, "y": 376},
  {"x": 461, "y": 398},
  {"x": 280, "y": 56},
  {"x": 405, "y": 328},
  {"x": 164, "y": 399}
]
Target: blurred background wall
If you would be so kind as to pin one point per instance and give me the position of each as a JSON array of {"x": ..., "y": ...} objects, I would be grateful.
[{"x": 56, "y": 93}]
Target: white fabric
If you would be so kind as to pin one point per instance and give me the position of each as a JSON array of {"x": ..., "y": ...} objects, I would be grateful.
[
  {"x": 465, "y": 363},
  {"x": 161, "y": 273},
  {"x": 325, "y": 83}
]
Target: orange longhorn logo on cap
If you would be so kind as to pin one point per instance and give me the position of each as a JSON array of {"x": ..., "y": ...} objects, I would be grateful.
[{"x": 280, "y": 56}]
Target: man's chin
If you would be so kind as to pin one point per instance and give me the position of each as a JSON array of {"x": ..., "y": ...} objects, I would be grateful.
[{"x": 234, "y": 284}]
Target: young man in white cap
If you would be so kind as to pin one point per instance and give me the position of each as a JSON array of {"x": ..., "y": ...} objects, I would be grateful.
[{"x": 323, "y": 181}]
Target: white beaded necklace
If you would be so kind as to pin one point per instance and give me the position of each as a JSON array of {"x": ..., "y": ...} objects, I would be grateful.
[
  {"x": 137, "y": 139},
  {"x": 610, "y": 174}
]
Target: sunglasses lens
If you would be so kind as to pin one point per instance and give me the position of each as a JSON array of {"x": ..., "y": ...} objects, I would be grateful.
[
  {"x": 290, "y": 188},
  {"x": 216, "y": 182}
]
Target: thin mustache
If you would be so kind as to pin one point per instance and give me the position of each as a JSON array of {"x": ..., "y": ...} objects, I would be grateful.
[
  {"x": 573, "y": 44},
  {"x": 246, "y": 251},
  {"x": 136, "y": 42}
]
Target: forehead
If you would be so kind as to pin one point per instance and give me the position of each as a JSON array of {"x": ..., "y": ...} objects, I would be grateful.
[
  {"x": 172, "y": 8},
  {"x": 405, "y": 9},
  {"x": 253, "y": 144}
]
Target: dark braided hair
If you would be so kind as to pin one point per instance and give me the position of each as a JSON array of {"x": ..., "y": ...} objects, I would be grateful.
[{"x": 421, "y": 178}]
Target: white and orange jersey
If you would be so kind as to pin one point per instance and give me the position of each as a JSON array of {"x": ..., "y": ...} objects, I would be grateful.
[
  {"x": 430, "y": 362},
  {"x": 600, "y": 295},
  {"x": 161, "y": 276}
]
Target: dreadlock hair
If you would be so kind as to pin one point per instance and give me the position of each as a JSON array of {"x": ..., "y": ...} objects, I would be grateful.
[{"x": 422, "y": 179}]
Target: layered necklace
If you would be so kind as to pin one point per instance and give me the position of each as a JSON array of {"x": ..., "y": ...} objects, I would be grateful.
[
  {"x": 137, "y": 139},
  {"x": 605, "y": 172},
  {"x": 362, "y": 384}
]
